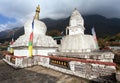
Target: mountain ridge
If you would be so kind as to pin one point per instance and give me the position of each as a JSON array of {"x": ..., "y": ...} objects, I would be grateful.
[{"x": 103, "y": 26}]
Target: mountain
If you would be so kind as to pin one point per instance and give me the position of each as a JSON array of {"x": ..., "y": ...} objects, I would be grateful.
[
  {"x": 103, "y": 26},
  {"x": 56, "y": 24},
  {"x": 8, "y": 34}
]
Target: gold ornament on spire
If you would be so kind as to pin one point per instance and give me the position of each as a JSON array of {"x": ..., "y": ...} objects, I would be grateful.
[{"x": 37, "y": 12}]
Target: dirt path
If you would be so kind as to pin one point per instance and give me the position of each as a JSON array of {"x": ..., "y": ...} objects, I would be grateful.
[{"x": 35, "y": 74}]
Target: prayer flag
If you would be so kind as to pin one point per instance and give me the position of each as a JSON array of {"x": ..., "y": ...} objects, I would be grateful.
[
  {"x": 30, "y": 45},
  {"x": 94, "y": 36},
  {"x": 12, "y": 41}
]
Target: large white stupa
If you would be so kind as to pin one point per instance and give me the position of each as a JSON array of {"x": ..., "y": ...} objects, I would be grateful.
[
  {"x": 42, "y": 44},
  {"x": 75, "y": 39}
]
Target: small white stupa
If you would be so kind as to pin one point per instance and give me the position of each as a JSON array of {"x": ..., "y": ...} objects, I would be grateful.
[
  {"x": 42, "y": 44},
  {"x": 75, "y": 39}
]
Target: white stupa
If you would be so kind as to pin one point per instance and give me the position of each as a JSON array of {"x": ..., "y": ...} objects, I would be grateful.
[
  {"x": 42, "y": 44},
  {"x": 73, "y": 56},
  {"x": 75, "y": 39}
]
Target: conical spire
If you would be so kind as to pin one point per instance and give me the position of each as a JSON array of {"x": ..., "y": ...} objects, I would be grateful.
[
  {"x": 76, "y": 16},
  {"x": 37, "y": 12}
]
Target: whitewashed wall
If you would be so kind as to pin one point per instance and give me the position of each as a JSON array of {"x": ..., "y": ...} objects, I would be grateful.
[{"x": 25, "y": 52}]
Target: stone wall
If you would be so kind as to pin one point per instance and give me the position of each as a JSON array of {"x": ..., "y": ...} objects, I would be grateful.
[
  {"x": 89, "y": 68},
  {"x": 90, "y": 71}
]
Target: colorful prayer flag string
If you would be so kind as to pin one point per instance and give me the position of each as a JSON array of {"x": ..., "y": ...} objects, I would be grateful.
[{"x": 30, "y": 45}]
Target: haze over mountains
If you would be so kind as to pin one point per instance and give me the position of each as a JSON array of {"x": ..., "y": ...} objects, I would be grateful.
[{"x": 103, "y": 26}]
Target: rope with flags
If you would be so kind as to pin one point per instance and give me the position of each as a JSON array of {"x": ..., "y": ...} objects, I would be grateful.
[
  {"x": 94, "y": 36},
  {"x": 12, "y": 41},
  {"x": 30, "y": 44}
]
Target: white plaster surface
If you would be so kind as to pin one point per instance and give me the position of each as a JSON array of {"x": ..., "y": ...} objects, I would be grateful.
[
  {"x": 39, "y": 27},
  {"x": 25, "y": 52},
  {"x": 76, "y": 19},
  {"x": 77, "y": 43}
]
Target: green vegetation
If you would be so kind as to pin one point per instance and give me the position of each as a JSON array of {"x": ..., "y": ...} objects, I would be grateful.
[
  {"x": 3, "y": 47},
  {"x": 109, "y": 41},
  {"x": 54, "y": 33}
]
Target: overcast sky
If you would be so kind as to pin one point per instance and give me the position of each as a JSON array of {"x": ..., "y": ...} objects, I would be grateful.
[{"x": 13, "y": 13}]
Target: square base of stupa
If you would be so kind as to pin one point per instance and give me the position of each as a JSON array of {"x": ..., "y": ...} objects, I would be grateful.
[
  {"x": 94, "y": 65},
  {"x": 21, "y": 58}
]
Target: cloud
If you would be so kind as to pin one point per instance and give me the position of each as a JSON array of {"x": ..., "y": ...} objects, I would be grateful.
[
  {"x": 107, "y": 8},
  {"x": 10, "y": 25},
  {"x": 24, "y": 9}
]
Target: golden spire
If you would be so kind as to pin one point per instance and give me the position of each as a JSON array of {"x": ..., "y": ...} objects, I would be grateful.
[{"x": 37, "y": 12}]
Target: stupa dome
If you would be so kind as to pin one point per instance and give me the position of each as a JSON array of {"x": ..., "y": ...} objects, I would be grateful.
[
  {"x": 40, "y": 39},
  {"x": 76, "y": 19},
  {"x": 39, "y": 27},
  {"x": 77, "y": 43}
]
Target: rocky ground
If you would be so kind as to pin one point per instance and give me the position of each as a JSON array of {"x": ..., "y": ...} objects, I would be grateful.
[{"x": 35, "y": 74}]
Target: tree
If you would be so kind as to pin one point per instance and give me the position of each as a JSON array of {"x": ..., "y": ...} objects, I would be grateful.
[
  {"x": 101, "y": 42},
  {"x": 54, "y": 33}
]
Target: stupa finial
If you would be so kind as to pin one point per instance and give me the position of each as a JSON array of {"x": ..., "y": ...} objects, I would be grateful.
[
  {"x": 75, "y": 9},
  {"x": 37, "y": 12}
]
